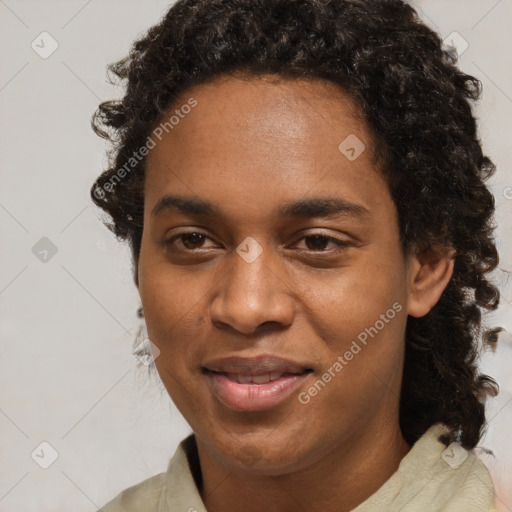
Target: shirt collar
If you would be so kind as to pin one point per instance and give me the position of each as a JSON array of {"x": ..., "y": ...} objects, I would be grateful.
[{"x": 424, "y": 471}]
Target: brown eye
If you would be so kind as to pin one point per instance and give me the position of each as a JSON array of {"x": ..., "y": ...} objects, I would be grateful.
[
  {"x": 316, "y": 242},
  {"x": 192, "y": 240},
  {"x": 186, "y": 241},
  {"x": 319, "y": 243}
]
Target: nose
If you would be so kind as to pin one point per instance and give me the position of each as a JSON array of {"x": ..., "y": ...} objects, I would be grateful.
[{"x": 252, "y": 296}]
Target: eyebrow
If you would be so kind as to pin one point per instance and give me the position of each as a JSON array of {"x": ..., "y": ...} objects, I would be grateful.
[{"x": 312, "y": 207}]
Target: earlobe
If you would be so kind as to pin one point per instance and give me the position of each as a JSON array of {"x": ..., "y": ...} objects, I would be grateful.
[{"x": 429, "y": 274}]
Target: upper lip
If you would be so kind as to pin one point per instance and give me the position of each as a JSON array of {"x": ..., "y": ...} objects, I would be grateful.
[{"x": 255, "y": 365}]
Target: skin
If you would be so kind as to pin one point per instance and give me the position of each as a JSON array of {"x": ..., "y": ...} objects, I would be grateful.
[{"x": 249, "y": 146}]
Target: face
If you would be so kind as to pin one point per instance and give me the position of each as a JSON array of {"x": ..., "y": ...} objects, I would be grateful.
[{"x": 271, "y": 273}]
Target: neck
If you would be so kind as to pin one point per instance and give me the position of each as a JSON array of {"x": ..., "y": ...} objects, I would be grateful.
[{"x": 338, "y": 482}]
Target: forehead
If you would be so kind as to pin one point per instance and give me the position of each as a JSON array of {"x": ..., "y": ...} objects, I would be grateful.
[
  {"x": 271, "y": 95},
  {"x": 259, "y": 107},
  {"x": 250, "y": 134}
]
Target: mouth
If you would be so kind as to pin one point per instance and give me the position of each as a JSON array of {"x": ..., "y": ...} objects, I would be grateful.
[
  {"x": 263, "y": 378},
  {"x": 254, "y": 384}
]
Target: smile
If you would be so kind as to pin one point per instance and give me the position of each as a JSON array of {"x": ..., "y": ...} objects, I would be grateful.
[{"x": 254, "y": 384}]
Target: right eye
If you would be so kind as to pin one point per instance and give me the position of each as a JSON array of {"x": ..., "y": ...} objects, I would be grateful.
[{"x": 189, "y": 241}]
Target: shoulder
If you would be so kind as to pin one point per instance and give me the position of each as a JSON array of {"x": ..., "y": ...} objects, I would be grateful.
[
  {"x": 437, "y": 478},
  {"x": 467, "y": 484},
  {"x": 450, "y": 478},
  {"x": 167, "y": 491},
  {"x": 142, "y": 496}
]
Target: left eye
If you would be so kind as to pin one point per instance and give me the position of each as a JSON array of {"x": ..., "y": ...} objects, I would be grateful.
[{"x": 318, "y": 242}]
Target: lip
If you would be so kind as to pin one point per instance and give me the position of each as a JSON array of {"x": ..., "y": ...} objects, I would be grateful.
[
  {"x": 251, "y": 396},
  {"x": 255, "y": 365}
]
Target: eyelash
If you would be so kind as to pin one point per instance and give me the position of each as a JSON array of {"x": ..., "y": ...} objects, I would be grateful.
[{"x": 340, "y": 243}]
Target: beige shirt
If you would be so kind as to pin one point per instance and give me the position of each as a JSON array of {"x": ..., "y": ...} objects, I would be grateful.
[{"x": 430, "y": 478}]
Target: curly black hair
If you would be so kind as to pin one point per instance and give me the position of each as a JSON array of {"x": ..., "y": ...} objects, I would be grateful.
[{"x": 417, "y": 104}]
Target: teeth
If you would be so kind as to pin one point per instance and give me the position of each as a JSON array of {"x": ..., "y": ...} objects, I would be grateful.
[
  {"x": 255, "y": 379},
  {"x": 261, "y": 379}
]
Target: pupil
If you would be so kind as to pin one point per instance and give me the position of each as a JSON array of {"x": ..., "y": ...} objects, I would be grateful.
[
  {"x": 195, "y": 237},
  {"x": 317, "y": 238}
]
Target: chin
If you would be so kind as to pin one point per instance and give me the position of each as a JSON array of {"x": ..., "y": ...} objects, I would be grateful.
[{"x": 260, "y": 457}]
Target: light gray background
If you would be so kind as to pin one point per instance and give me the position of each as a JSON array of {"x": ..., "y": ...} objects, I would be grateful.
[{"x": 67, "y": 373}]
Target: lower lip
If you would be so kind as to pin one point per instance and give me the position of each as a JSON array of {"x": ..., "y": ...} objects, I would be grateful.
[{"x": 253, "y": 397}]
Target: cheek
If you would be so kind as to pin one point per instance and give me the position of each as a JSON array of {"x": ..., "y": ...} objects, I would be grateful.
[
  {"x": 359, "y": 315},
  {"x": 173, "y": 310},
  {"x": 353, "y": 298}
]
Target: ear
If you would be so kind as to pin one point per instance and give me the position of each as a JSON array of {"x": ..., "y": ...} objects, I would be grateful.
[{"x": 429, "y": 274}]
